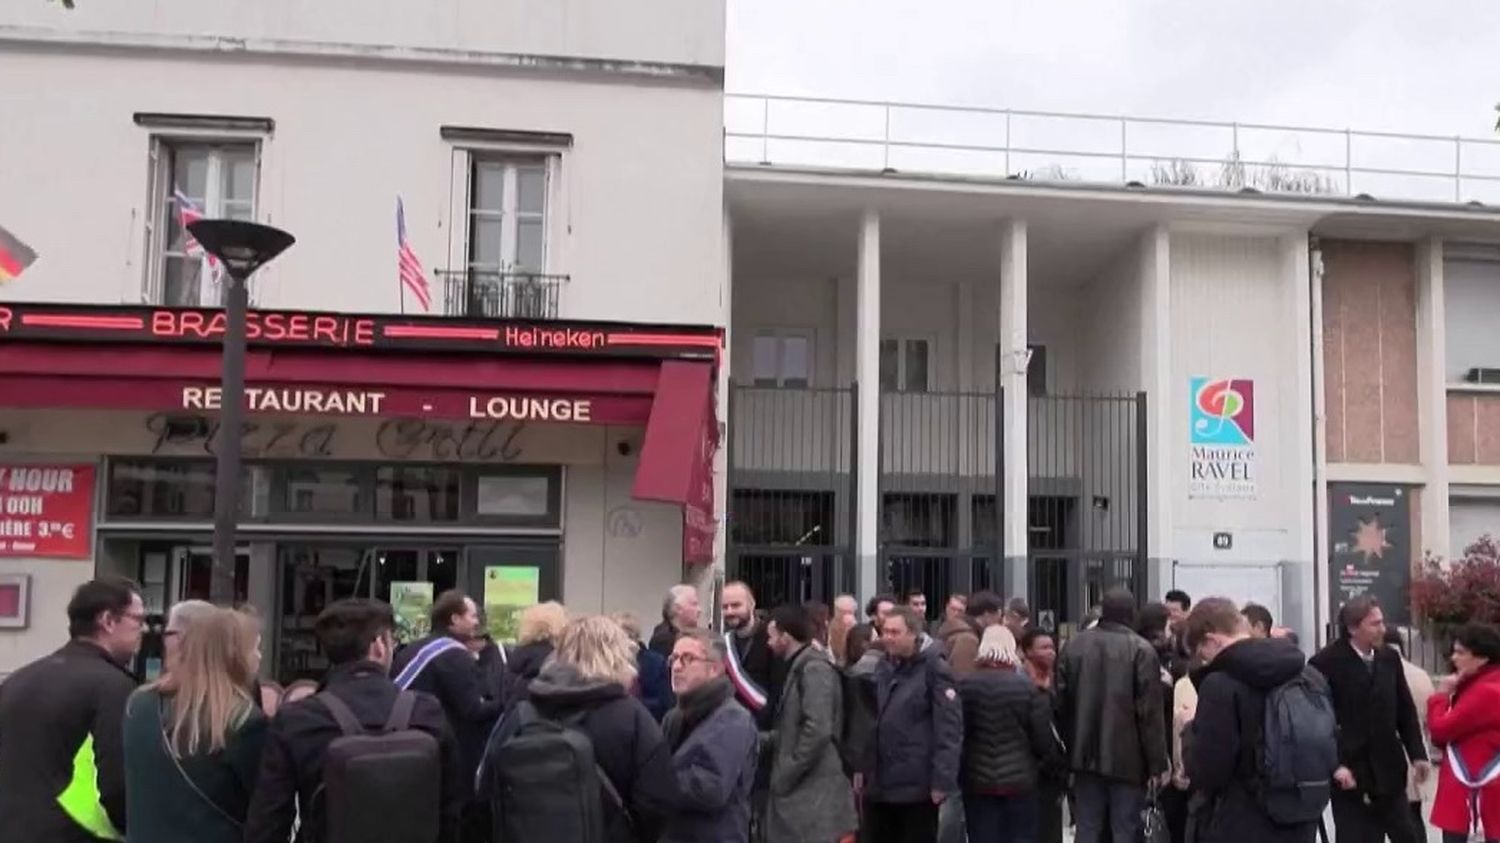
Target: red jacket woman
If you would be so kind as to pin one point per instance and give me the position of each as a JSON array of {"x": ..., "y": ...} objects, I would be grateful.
[{"x": 1464, "y": 718}]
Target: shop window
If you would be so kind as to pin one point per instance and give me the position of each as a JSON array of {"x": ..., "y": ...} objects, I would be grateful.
[
  {"x": 194, "y": 179},
  {"x": 323, "y": 491},
  {"x": 417, "y": 494},
  {"x": 905, "y": 365},
  {"x": 782, "y": 357},
  {"x": 518, "y": 496}
]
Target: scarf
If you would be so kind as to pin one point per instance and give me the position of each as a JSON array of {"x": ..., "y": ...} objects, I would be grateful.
[{"x": 693, "y": 707}]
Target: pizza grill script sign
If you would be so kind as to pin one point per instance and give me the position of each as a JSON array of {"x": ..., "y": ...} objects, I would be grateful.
[{"x": 46, "y": 510}]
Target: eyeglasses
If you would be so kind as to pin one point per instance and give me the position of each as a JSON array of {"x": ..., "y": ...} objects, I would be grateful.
[
  {"x": 684, "y": 659},
  {"x": 138, "y": 617}
]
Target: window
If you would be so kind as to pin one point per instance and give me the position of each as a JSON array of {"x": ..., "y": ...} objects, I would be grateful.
[
  {"x": 417, "y": 493},
  {"x": 507, "y": 215},
  {"x": 317, "y": 490},
  {"x": 1036, "y": 369},
  {"x": 175, "y": 489},
  {"x": 782, "y": 358},
  {"x": 195, "y": 179},
  {"x": 905, "y": 365}
]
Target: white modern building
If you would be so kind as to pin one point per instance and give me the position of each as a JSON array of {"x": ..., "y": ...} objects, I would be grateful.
[{"x": 824, "y": 346}]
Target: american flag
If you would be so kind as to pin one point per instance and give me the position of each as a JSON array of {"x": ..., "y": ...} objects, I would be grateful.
[
  {"x": 409, "y": 268},
  {"x": 187, "y": 212}
]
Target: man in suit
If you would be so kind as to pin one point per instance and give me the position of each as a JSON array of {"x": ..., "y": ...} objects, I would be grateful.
[{"x": 1379, "y": 731}]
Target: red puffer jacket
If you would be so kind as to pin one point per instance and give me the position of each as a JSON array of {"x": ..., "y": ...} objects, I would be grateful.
[{"x": 1467, "y": 723}]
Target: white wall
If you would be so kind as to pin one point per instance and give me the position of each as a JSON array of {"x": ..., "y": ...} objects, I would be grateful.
[
  {"x": 1231, "y": 318},
  {"x": 1471, "y": 292},
  {"x": 670, "y": 31},
  {"x": 635, "y": 216}
]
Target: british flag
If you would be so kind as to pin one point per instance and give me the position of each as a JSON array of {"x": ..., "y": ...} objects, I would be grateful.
[{"x": 408, "y": 268}]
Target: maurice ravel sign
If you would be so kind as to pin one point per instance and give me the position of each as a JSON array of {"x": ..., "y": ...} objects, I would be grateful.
[
  {"x": 46, "y": 510},
  {"x": 1221, "y": 435}
]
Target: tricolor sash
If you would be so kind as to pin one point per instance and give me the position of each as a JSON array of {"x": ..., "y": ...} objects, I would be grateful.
[
  {"x": 1487, "y": 774},
  {"x": 434, "y": 648},
  {"x": 750, "y": 693}
]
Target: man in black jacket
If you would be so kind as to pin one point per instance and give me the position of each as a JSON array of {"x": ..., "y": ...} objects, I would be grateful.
[
  {"x": 680, "y": 609},
  {"x": 356, "y": 635},
  {"x": 442, "y": 665},
  {"x": 1220, "y": 754},
  {"x": 749, "y": 662},
  {"x": 1109, "y": 688},
  {"x": 918, "y": 735},
  {"x": 62, "y": 754},
  {"x": 1378, "y": 729}
]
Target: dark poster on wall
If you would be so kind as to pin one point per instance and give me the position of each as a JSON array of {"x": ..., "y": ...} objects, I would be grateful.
[{"x": 1370, "y": 547}]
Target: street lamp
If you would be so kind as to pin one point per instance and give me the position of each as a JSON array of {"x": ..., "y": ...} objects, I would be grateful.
[{"x": 241, "y": 247}]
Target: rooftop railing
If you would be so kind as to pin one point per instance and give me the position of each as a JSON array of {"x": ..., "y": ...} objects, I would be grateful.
[{"x": 864, "y": 135}]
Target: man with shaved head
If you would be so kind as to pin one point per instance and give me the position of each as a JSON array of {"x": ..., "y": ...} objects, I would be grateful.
[{"x": 749, "y": 661}]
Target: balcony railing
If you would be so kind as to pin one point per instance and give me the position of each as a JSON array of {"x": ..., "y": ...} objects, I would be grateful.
[
  {"x": 873, "y": 136},
  {"x": 479, "y": 294}
]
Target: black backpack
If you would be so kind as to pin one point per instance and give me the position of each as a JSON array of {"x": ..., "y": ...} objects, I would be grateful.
[
  {"x": 546, "y": 783},
  {"x": 384, "y": 787},
  {"x": 1299, "y": 750}
]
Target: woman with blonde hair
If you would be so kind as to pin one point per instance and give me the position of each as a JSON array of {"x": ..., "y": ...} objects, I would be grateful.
[
  {"x": 193, "y": 738},
  {"x": 536, "y": 635},
  {"x": 586, "y": 683},
  {"x": 1008, "y": 743}
]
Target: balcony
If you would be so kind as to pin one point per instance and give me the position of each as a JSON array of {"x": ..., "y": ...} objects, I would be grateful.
[{"x": 481, "y": 294}]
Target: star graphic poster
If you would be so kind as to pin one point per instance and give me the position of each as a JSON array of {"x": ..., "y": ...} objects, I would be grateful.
[{"x": 1370, "y": 547}]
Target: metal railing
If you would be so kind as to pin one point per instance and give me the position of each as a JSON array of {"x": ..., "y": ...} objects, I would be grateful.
[
  {"x": 1114, "y": 149},
  {"x": 480, "y": 294}
]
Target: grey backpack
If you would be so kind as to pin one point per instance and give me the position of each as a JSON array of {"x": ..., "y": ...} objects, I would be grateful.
[{"x": 381, "y": 787}]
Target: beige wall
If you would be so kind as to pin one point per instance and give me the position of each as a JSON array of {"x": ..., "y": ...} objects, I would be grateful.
[{"x": 1370, "y": 352}]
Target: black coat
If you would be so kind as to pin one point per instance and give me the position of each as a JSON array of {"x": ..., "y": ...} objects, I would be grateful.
[
  {"x": 1008, "y": 736},
  {"x": 526, "y": 660},
  {"x": 1219, "y": 749},
  {"x": 1378, "y": 724},
  {"x": 919, "y": 729},
  {"x": 1109, "y": 691},
  {"x": 628, "y": 746},
  {"x": 291, "y": 768},
  {"x": 663, "y": 638},
  {"x": 653, "y": 682},
  {"x": 460, "y": 684},
  {"x": 47, "y": 710}
]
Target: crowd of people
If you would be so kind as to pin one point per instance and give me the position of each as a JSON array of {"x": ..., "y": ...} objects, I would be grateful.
[{"x": 1172, "y": 721}]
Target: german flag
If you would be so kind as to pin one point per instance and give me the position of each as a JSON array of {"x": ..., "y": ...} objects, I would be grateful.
[{"x": 15, "y": 256}]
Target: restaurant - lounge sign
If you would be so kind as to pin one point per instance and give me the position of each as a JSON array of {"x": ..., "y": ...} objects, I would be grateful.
[
  {"x": 359, "y": 402},
  {"x": 308, "y": 329}
]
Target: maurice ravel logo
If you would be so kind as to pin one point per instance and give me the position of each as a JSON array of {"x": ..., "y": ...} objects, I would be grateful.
[
  {"x": 1222, "y": 435},
  {"x": 1223, "y": 411}
]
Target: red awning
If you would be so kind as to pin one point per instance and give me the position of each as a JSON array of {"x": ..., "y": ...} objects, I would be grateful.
[
  {"x": 672, "y": 398},
  {"x": 678, "y": 452}
]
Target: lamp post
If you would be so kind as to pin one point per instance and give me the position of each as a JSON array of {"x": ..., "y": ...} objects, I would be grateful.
[{"x": 241, "y": 247}]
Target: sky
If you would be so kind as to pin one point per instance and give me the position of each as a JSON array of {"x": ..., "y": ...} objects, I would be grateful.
[{"x": 1421, "y": 67}]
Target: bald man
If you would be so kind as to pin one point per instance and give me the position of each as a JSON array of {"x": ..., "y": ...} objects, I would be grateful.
[{"x": 750, "y": 663}]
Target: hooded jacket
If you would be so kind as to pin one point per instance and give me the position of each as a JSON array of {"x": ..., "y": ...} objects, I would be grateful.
[
  {"x": 919, "y": 729},
  {"x": 628, "y": 747},
  {"x": 1219, "y": 755}
]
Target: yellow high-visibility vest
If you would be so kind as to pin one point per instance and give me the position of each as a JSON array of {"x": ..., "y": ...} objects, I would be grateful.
[{"x": 80, "y": 800}]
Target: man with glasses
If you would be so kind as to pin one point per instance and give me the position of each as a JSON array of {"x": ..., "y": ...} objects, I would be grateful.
[{"x": 62, "y": 764}]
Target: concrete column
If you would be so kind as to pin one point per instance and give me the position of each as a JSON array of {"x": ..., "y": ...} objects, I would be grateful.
[
  {"x": 1013, "y": 281},
  {"x": 867, "y": 375},
  {"x": 1299, "y": 604},
  {"x": 721, "y": 405},
  {"x": 1156, "y": 377},
  {"x": 1432, "y": 397}
]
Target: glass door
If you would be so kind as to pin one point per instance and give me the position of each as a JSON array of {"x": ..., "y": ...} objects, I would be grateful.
[{"x": 506, "y": 578}]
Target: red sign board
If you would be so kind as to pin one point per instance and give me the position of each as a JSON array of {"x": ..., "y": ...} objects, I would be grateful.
[
  {"x": 698, "y": 524},
  {"x": 46, "y": 510},
  {"x": 305, "y": 329}
]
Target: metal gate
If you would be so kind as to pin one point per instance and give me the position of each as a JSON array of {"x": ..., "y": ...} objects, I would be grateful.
[
  {"x": 941, "y": 503},
  {"x": 1086, "y": 512},
  {"x": 792, "y": 492}
]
